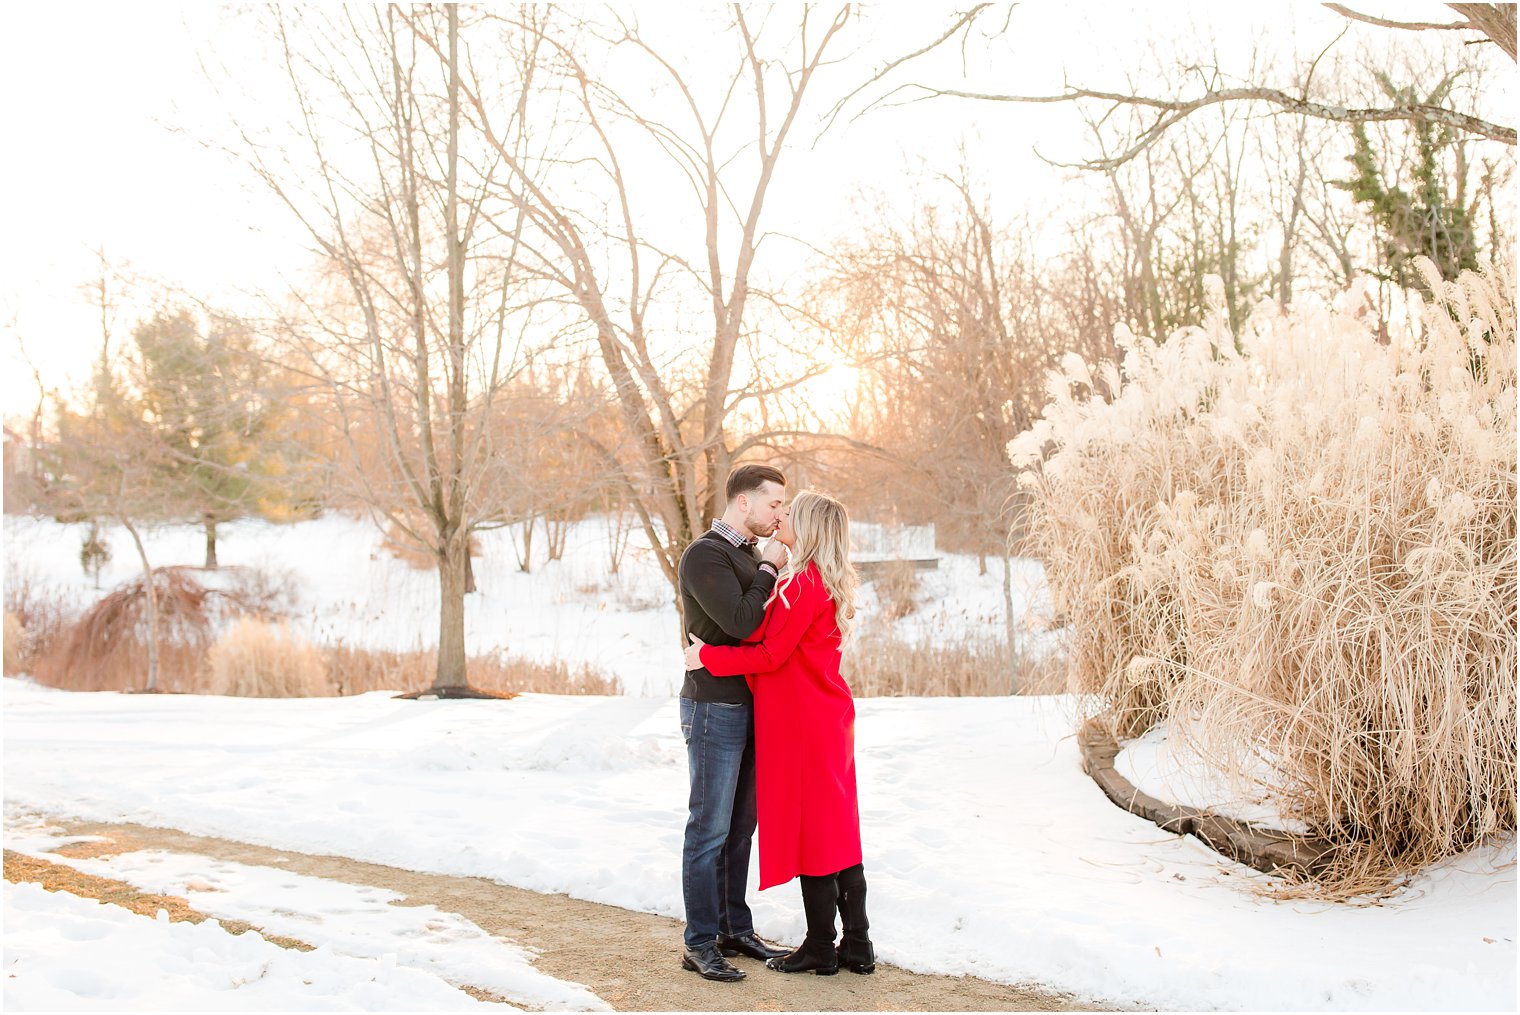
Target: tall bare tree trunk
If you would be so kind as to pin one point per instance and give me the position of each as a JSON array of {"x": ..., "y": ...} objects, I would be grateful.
[
  {"x": 454, "y": 575},
  {"x": 1010, "y": 629},
  {"x": 150, "y": 588},
  {"x": 452, "y": 571},
  {"x": 211, "y": 564}
]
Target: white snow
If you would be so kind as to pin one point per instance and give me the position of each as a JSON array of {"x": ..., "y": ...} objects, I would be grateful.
[
  {"x": 988, "y": 851},
  {"x": 64, "y": 953},
  {"x": 1168, "y": 768},
  {"x": 349, "y": 920}
]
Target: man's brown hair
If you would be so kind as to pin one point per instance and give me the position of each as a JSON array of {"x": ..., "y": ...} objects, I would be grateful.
[{"x": 749, "y": 478}]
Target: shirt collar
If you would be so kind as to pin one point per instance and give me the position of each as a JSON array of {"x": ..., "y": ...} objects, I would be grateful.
[{"x": 731, "y": 534}]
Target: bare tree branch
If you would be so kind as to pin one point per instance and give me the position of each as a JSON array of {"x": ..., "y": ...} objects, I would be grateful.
[
  {"x": 963, "y": 21},
  {"x": 1174, "y": 110},
  {"x": 1495, "y": 21},
  {"x": 1413, "y": 26}
]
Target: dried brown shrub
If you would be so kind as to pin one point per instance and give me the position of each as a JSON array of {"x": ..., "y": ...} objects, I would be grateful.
[
  {"x": 257, "y": 659},
  {"x": 107, "y": 648}
]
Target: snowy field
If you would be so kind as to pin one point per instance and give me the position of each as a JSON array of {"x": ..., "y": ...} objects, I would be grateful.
[
  {"x": 349, "y": 589},
  {"x": 989, "y": 852}
]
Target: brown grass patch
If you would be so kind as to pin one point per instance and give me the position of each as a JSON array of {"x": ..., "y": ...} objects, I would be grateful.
[
  {"x": 15, "y": 640},
  {"x": 94, "y": 848},
  {"x": 896, "y": 584},
  {"x": 880, "y": 665},
  {"x": 57, "y": 877},
  {"x": 357, "y": 671},
  {"x": 255, "y": 659},
  {"x": 482, "y": 994},
  {"x": 39, "y": 615},
  {"x": 106, "y": 648}
]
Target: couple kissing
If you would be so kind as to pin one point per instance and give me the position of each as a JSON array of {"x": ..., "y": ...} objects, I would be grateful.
[{"x": 769, "y": 726}]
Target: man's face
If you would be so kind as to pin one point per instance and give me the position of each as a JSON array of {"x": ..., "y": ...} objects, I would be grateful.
[{"x": 762, "y": 509}]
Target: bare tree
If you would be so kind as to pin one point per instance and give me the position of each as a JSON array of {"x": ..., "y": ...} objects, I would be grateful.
[
  {"x": 956, "y": 318},
  {"x": 593, "y": 233},
  {"x": 1490, "y": 22},
  {"x": 107, "y": 461},
  {"x": 423, "y": 316}
]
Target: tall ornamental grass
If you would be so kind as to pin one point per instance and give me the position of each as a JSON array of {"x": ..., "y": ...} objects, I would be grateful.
[{"x": 1297, "y": 546}]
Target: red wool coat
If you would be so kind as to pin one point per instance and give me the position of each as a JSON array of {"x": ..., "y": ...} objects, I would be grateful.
[{"x": 804, "y": 734}]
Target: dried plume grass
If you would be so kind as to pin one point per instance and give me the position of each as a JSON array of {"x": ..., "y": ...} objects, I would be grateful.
[
  {"x": 257, "y": 659},
  {"x": 1300, "y": 550}
]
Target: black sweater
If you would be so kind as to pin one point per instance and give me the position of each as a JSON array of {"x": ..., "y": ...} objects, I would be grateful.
[{"x": 723, "y": 594}]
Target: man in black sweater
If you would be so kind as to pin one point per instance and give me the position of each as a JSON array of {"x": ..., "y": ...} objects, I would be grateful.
[{"x": 724, "y": 586}]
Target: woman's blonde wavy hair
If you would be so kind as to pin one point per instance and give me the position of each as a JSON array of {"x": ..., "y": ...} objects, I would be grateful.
[{"x": 823, "y": 538}]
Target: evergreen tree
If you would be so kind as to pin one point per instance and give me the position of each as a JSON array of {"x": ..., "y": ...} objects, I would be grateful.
[{"x": 1431, "y": 217}]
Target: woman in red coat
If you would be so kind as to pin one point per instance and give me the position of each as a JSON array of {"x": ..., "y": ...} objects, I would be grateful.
[{"x": 805, "y": 735}]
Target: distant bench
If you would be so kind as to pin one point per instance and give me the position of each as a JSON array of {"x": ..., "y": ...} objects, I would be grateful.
[{"x": 874, "y": 547}]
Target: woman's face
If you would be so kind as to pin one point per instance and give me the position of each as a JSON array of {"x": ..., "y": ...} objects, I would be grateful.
[{"x": 785, "y": 532}]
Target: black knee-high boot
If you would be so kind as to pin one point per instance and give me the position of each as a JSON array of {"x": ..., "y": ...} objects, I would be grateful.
[
  {"x": 855, "y": 951},
  {"x": 820, "y": 895}
]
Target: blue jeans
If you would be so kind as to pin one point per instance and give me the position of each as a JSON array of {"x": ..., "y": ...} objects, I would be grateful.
[{"x": 720, "y": 756}]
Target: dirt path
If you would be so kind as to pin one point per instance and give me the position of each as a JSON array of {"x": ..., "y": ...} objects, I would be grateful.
[{"x": 629, "y": 959}]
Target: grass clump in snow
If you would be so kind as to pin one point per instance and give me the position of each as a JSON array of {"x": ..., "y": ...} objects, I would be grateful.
[
  {"x": 880, "y": 665},
  {"x": 355, "y": 670},
  {"x": 15, "y": 639},
  {"x": 896, "y": 583},
  {"x": 1298, "y": 546},
  {"x": 35, "y": 615},
  {"x": 258, "y": 659}
]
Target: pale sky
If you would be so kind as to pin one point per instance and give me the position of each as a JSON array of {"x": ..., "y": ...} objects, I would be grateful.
[{"x": 92, "y": 162}]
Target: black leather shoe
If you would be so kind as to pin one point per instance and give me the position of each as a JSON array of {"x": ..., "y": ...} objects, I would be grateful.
[
  {"x": 748, "y": 944},
  {"x": 856, "y": 954},
  {"x": 708, "y": 961},
  {"x": 814, "y": 956}
]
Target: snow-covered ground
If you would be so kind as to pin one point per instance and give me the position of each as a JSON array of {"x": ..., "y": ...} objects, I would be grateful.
[
  {"x": 989, "y": 852},
  {"x": 64, "y": 953},
  {"x": 346, "y": 922},
  {"x": 348, "y": 588}
]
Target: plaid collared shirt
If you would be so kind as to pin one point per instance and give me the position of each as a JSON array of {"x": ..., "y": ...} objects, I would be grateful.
[{"x": 731, "y": 534}]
